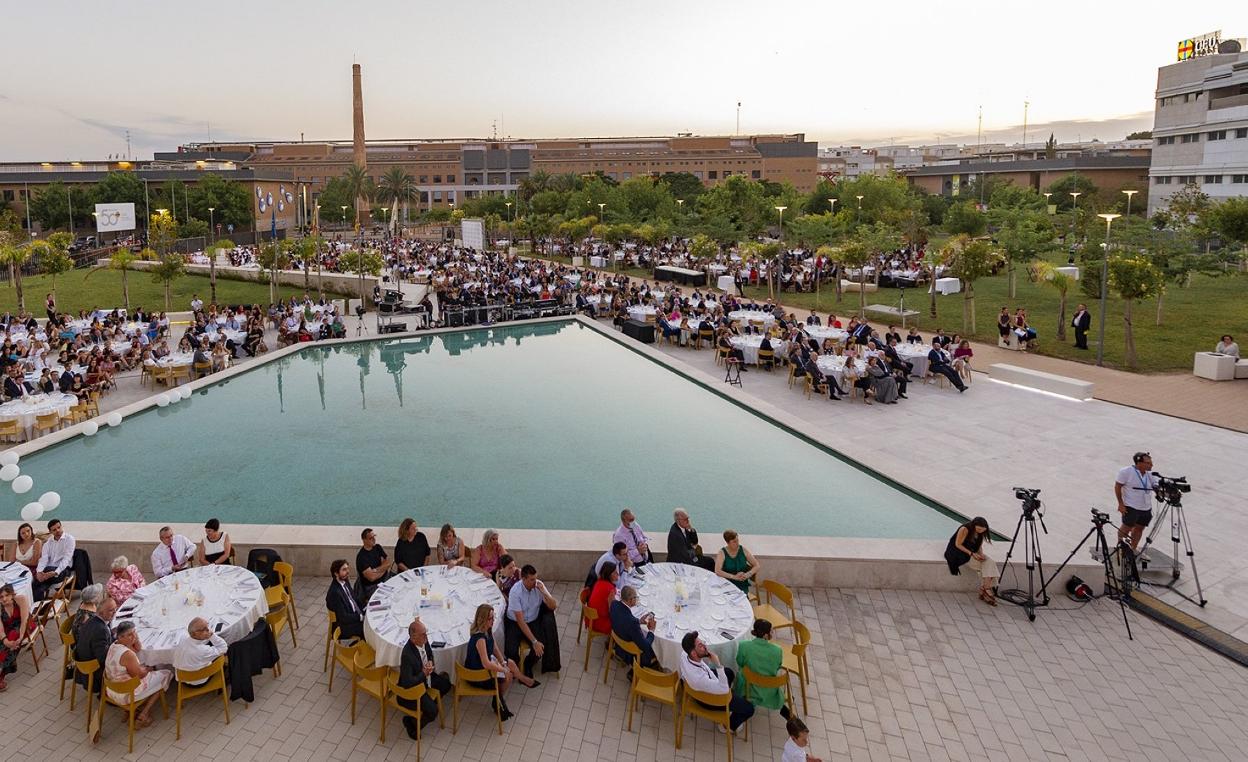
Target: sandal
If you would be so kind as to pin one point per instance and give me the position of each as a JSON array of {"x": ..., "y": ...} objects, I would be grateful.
[{"x": 987, "y": 597}]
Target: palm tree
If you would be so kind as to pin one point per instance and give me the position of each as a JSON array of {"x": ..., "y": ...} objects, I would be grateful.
[
  {"x": 360, "y": 187},
  {"x": 397, "y": 187},
  {"x": 122, "y": 259},
  {"x": 1047, "y": 272}
]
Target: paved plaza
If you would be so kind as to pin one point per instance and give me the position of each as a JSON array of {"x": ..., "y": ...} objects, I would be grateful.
[{"x": 897, "y": 676}]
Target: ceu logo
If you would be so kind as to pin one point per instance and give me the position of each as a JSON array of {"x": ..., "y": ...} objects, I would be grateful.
[
  {"x": 265, "y": 201},
  {"x": 1187, "y": 49},
  {"x": 109, "y": 219}
]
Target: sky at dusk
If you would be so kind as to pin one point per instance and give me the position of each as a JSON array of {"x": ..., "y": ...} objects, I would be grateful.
[{"x": 78, "y": 75}]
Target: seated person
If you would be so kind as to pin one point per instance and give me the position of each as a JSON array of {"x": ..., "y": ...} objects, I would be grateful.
[
  {"x": 371, "y": 564},
  {"x": 340, "y": 600},
  {"x": 682, "y": 543},
  {"x": 701, "y": 671},
  {"x": 416, "y": 668},
  {"x": 216, "y": 547},
  {"x": 199, "y": 648},
  {"x": 91, "y": 634},
  {"x": 124, "y": 580},
  {"x": 763, "y": 658},
  {"x": 618, "y": 555},
  {"x": 122, "y": 664},
  {"x": 734, "y": 563},
  {"x": 601, "y": 595},
  {"x": 939, "y": 361},
  {"x": 1227, "y": 346},
  {"x": 174, "y": 553},
  {"x": 531, "y": 618},
  {"x": 639, "y": 632}
]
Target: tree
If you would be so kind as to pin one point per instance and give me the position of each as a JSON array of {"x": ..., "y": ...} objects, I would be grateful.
[
  {"x": 1048, "y": 274},
  {"x": 1132, "y": 279},
  {"x": 397, "y": 187},
  {"x": 969, "y": 260},
  {"x": 1229, "y": 219},
  {"x": 1141, "y": 135},
  {"x": 1064, "y": 186},
  {"x": 362, "y": 262},
  {"x": 50, "y": 207},
  {"x": 231, "y": 202},
  {"x": 964, "y": 219},
  {"x": 1024, "y": 236},
  {"x": 335, "y": 196},
  {"x": 169, "y": 267},
  {"x": 119, "y": 188},
  {"x": 815, "y": 229},
  {"x": 272, "y": 257},
  {"x": 15, "y": 256},
  {"x": 54, "y": 259},
  {"x": 162, "y": 233},
  {"x": 193, "y": 228},
  {"x": 217, "y": 246},
  {"x": 1050, "y": 147},
  {"x": 360, "y": 189},
  {"x": 855, "y": 253},
  {"x": 683, "y": 185},
  {"x": 123, "y": 261},
  {"x": 737, "y": 205},
  {"x": 306, "y": 252}
]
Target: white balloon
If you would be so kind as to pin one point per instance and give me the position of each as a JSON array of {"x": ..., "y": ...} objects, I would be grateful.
[
  {"x": 32, "y": 512},
  {"x": 50, "y": 500},
  {"x": 186, "y": 392},
  {"x": 9, "y": 472},
  {"x": 90, "y": 427},
  {"x": 175, "y": 397},
  {"x": 114, "y": 419},
  {"x": 8, "y": 458},
  {"x": 22, "y": 484},
  {"x": 162, "y": 400}
]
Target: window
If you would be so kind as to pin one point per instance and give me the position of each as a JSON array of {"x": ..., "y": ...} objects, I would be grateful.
[
  {"x": 437, "y": 197},
  {"x": 756, "y": 174},
  {"x": 1239, "y": 179},
  {"x": 698, "y": 173},
  {"x": 1213, "y": 179},
  {"x": 424, "y": 178},
  {"x": 712, "y": 175},
  {"x": 1242, "y": 132},
  {"x": 437, "y": 178},
  {"x": 8, "y": 195},
  {"x": 1217, "y": 135},
  {"x": 1186, "y": 179},
  {"x": 1161, "y": 180},
  {"x": 1167, "y": 140},
  {"x": 1191, "y": 137},
  {"x": 450, "y": 178}
]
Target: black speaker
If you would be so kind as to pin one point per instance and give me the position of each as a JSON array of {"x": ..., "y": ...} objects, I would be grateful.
[{"x": 394, "y": 328}]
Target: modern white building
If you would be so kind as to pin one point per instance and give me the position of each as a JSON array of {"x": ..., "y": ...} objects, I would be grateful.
[{"x": 1200, "y": 127}]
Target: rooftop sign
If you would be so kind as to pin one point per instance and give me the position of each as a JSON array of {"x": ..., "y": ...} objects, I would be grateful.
[{"x": 1204, "y": 45}]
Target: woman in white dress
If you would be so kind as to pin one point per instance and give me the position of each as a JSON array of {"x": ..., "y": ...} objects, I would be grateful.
[{"x": 122, "y": 663}]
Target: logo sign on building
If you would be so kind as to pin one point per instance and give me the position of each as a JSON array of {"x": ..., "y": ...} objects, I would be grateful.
[
  {"x": 114, "y": 217},
  {"x": 1204, "y": 45}
]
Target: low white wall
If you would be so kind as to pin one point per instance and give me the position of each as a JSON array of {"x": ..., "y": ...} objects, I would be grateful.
[{"x": 341, "y": 283}]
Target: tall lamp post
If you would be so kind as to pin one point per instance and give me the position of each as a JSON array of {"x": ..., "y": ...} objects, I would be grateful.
[
  {"x": 601, "y": 210},
  {"x": 1074, "y": 218},
  {"x": 859, "y": 212},
  {"x": 1046, "y": 202},
  {"x": 1100, "y": 349},
  {"x": 211, "y": 221},
  {"x": 1129, "y": 194},
  {"x": 832, "y": 203},
  {"x": 771, "y": 271},
  {"x": 70, "y": 199}
]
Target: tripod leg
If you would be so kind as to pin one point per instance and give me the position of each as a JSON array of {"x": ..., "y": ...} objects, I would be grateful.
[
  {"x": 1008, "y": 554},
  {"x": 1191, "y": 555}
]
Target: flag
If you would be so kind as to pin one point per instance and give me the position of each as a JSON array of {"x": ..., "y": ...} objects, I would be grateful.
[{"x": 273, "y": 224}]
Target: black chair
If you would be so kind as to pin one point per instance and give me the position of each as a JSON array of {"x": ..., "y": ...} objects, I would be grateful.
[
  {"x": 81, "y": 565},
  {"x": 260, "y": 562}
]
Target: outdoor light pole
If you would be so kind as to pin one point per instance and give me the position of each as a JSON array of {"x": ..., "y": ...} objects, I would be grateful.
[
  {"x": 211, "y": 218},
  {"x": 832, "y": 201},
  {"x": 1129, "y": 194},
  {"x": 1046, "y": 202},
  {"x": 858, "y": 218},
  {"x": 70, "y": 199},
  {"x": 601, "y": 211},
  {"x": 1100, "y": 349}
]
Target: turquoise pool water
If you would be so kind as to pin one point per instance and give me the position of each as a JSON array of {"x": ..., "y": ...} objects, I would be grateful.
[{"x": 547, "y": 425}]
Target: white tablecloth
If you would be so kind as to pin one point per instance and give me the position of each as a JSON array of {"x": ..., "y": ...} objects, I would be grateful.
[
  {"x": 821, "y": 332},
  {"x": 834, "y": 366},
  {"x": 13, "y": 573},
  {"x": 916, "y": 354},
  {"x": 597, "y": 261},
  {"x": 233, "y": 602},
  {"x": 639, "y": 313},
  {"x": 726, "y": 283},
  {"x": 175, "y": 359},
  {"x": 1070, "y": 270},
  {"x": 749, "y": 346},
  {"x": 948, "y": 285},
  {"x": 711, "y": 605},
  {"x": 745, "y": 316},
  {"x": 25, "y": 410},
  {"x": 399, "y": 600}
]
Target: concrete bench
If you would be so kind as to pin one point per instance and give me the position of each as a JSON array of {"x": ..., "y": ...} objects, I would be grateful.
[
  {"x": 853, "y": 285},
  {"x": 1011, "y": 341},
  {"x": 1038, "y": 379}
]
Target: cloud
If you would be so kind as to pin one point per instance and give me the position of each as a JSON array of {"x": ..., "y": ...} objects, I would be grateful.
[{"x": 1064, "y": 130}]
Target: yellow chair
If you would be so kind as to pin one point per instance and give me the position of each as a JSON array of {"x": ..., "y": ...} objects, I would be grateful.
[
  {"x": 146, "y": 373},
  {"x": 463, "y": 689},
  {"x": 767, "y": 359},
  {"x": 722, "y": 354},
  {"x": 161, "y": 375},
  {"x": 775, "y": 591},
  {"x": 753, "y": 679},
  {"x": 93, "y": 403},
  {"x": 47, "y": 422},
  {"x": 286, "y": 573},
  {"x": 588, "y": 617},
  {"x": 279, "y": 621},
  {"x": 76, "y": 413},
  {"x": 344, "y": 654},
  {"x": 126, "y": 688},
  {"x": 10, "y": 431},
  {"x": 372, "y": 680},
  {"x": 792, "y": 375},
  {"x": 214, "y": 677},
  {"x": 67, "y": 648},
  {"x": 795, "y": 659},
  {"x": 88, "y": 668},
  {"x": 395, "y": 694},
  {"x": 178, "y": 373},
  {"x": 708, "y": 706},
  {"x": 628, "y": 647},
  {"x": 660, "y": 687},
  {"x": 583, "y": 597},
  {"x": 329, "y": 638},
  {"x": 203, "y": 369}
]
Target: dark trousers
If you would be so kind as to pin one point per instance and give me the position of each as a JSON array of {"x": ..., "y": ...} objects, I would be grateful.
[
  {"x": 948, "y": 373},
  {"x": 350, "y": 629},
  {"x": 707, "y": 563},
  {"x": 39, "y": 589},
  {"x": 739, "y": 709},
  {"x": 647, "y": 654},
  {"x": 545, "y": 629},
  {"x": 428, "y": 706},
  {"x": 1081, "y": 338}
]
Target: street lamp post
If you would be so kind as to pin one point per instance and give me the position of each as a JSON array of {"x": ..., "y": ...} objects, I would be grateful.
[
  {"x": 344, "y": 214},
  {"x": 1046, "y": 202},
  {"x": 211, "y": 222},
  {"x": 601, "y": 210},
  {"x": 508, "y": 211},
  {"x": 1100, "y": 349},
  {"x": 832, "y": 202},
  {"x": 70, "y": 199},
  {"x": 1129, "y": 194},
  {"x": 771, "y": 271},
  {"x": 859, "y": 212},
  {"x": 1074, "y": 218}
]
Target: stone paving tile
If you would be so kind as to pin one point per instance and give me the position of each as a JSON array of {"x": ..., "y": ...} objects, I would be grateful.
[{"x": 899, "y": 675}]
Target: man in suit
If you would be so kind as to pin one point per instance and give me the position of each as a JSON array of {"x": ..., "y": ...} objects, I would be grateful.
[
  {"x": 938, "y": 362},
  {"x": 340, "y": 599},
  {"x": 812, "y": 319},
  {"x": 629, "y": 628},
  {"x": 682, "y": 541},
  {"x": 416, "y": 667},
  {"x": 862, "y": 333},
  {"x": 15, "y": 386},
  {"x": 1082, "y": 321}
]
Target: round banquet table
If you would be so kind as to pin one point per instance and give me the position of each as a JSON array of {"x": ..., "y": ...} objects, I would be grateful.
[
  {"x": 749, "y": 346},
  {"x": 726, "y": 283},
  {"x": 447, "y": 606},
  {"x": 233, "y": 602},
  {"x": 916, "y": 354},
  {"x": 17, "y": 575},
  {"x": 833, "y": 365},
  {"x": 745, "y": 316},
  {"x": 25, "y": 410},
  {"x": 712, "y": 605},
  {"x": 176, "y": 359},
  {"x": 640, "y": 313},
  {"x": 821, "y": 332}
]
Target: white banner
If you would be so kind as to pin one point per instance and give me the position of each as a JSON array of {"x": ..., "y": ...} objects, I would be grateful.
[
  {"x": 473, "y": 233},
  {"x": 113, "y": 217}
]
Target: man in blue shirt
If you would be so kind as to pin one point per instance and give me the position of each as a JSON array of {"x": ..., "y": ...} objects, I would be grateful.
[{"x": 531, "y": 619}]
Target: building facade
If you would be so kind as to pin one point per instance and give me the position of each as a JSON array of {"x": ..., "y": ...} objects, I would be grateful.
[
  {"x": 448, "y": 171},
  {"x": 1106, "y": 172},
  {"x": 1200, "y": 128}
]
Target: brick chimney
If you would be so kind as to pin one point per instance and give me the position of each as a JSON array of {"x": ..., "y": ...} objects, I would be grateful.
[{"x": 357, "y": 118}]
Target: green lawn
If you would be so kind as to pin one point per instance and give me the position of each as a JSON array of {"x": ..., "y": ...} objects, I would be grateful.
[
  {"x": 84, "y": 289},
  {"x": 1192, "y": 318}
]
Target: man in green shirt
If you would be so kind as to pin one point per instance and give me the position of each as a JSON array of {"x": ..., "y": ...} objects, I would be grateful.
[{"x": 763, "y": 657}]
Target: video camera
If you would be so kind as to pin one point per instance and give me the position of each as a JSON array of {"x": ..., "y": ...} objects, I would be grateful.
[
  {"x": 1171, "y": 489},
  {"x": 1099, "y": 517},
  {"x": 1030, "y": 498}
]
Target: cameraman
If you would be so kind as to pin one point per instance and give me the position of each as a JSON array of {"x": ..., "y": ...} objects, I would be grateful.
[{"x": 1134, "y": 489}]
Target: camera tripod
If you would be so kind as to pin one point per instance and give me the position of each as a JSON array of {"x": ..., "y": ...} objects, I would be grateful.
[
  {"x": 1172, "y": 508},
  {"x": 1031, "y": 556},
  {"x": 1114, "y": 585}
]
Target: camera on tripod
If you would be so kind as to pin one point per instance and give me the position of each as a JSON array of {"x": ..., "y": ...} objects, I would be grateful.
[
  {"x": 1171, "y": 489},
  {"x": 1100, "y": 518},
  {"x": 1030, "y": 498}
]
